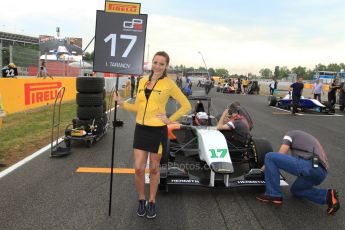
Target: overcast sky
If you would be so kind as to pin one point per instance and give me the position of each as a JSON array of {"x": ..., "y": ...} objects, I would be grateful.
[{"x": 241, "y": 36}]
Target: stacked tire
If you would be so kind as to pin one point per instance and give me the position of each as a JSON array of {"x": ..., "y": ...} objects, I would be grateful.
[{"x": 91, "y": 104}]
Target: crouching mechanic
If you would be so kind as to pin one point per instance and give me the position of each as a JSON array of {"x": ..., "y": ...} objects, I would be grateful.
[
  {"x": 234, "y": 127},
  {"x": 308, "y": 161}
]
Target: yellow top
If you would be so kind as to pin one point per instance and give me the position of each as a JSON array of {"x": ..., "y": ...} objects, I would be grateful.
[
  {"x": 148, "y": 109},
  {"x": 245, "y": 82}
]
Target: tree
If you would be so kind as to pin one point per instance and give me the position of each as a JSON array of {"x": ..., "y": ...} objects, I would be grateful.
[
  {"x": 300, "y": 71},
  {"x": 284, "y": 72},
  {"x": 333, "y": 67},
  {"x": 87, "y": 57},
  {"x": 201, "y": 68},
  {"x": 276, "y": 72},
  {"x": 309, "y": 75},
  {"x": 320, "y": 67},
  {"x": 212, "y": 72},
  {"x": 222, "y": 72},
  {"x": 266, "y": 73},
  {"x": 342, "y": 66}
]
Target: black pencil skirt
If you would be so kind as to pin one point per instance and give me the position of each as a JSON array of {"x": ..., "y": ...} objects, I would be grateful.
[{"x": 150, "y": 138}]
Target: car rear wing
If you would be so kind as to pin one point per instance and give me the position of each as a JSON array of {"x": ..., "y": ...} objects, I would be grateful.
[{"x": 199, "y": 98}]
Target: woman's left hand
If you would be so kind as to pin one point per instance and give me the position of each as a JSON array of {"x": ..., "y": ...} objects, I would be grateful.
[{"x": 163, "y": 117}]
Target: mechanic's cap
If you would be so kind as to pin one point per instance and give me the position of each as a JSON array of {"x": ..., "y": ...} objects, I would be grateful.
[{"x": 12, "y": 65}]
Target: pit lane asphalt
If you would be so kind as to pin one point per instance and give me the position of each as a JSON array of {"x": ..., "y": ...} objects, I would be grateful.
[{"x": 47, "y": 193}]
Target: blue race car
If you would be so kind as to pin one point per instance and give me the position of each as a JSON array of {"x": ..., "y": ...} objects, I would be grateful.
[{"x": 304, "y": 103}]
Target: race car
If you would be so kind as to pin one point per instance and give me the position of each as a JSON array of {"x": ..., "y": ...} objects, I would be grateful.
[
  {"x": 304, "y": 103},
  {"x": 226, "y": 88},
  {"x": 199, "y": 155}
]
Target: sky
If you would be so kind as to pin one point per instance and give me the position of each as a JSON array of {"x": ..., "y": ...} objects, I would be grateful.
[{"x": 241, "y": 36}]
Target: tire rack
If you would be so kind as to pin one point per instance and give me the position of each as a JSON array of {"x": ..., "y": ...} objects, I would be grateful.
[{"x": 91, "y": 110}]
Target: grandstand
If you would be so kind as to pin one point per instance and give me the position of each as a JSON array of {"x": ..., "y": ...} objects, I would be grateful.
[
  {"x": 20, "y": 49},
  {"x": 24, "y": 51}
]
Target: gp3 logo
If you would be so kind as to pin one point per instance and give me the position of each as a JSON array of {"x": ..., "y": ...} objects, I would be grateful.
[{"x": 136, "y": 24}]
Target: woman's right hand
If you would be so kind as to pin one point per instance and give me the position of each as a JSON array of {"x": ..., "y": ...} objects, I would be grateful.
[{"x": 117, "y": 98}]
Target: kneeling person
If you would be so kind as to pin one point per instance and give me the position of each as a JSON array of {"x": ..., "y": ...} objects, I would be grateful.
[{"x": 301, "y": 155}]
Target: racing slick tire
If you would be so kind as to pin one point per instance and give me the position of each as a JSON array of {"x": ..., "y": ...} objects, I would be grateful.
[
  {"x": 272, "y": 100},
  {"x": 163, "y": 185},
  {"x": 90, "y": 84},
  {"x": 90, "y": 99},
  {"x": 105, "y": 108},
  {"x": 88, "y": 112},
  {"x": 261, "y": 147}
]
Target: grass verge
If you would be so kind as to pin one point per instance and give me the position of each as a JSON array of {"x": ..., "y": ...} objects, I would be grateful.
[{"x": 24, "y": 133}]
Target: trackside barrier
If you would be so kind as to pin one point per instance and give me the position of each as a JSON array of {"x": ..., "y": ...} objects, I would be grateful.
[
  {"x": 310, "y": 86},
  {"x": 27, "y": 93},
  {"x": 21, "y": 94}
]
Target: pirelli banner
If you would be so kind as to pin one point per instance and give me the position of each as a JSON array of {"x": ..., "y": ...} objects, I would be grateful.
[
  {"x": 28, "y": 93},
  {"x": 122, "y": 7}
]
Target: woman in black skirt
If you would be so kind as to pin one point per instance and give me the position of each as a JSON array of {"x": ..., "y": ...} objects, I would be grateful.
[{"x": 151, "y": 133}]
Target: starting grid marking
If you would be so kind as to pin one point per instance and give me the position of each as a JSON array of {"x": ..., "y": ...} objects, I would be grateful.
[
  {"x": 117, "y": 170},
  {"x": 108, "y": 170},
  {"x": 288, "y": 112}
]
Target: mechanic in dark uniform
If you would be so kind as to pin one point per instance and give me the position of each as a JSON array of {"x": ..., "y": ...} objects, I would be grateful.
[
  {"x": 10, "y": 71},
  {"x": 332, "y": 94},
  {"x": 308, "y": 161},
  {"x": 297, "y": 90},
  {"x": 234, "y": 127}
]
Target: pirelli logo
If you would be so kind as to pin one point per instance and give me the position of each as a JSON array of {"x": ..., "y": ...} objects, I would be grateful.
[
  {"x": 122, "y": 7},
  {"x": 40, "y": 92}
]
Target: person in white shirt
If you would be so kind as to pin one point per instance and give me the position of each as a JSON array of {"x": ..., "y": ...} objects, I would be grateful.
[
  {"x": 272, "y": 86},
  {"x": 318, "y": 89}
]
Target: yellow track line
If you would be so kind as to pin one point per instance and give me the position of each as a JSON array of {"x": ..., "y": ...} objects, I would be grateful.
[{"x": 107, "y": 170}]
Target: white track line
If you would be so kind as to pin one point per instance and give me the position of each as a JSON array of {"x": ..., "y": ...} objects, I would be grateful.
[
  {"x": 33, "y": 155},
  {"x": 313, "y": 115}
]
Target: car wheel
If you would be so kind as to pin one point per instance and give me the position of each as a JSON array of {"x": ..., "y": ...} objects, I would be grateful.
[
  {"x": 67, "y": 143},
  {"x": 89, "y": 143},
  {"x": 163, "y": 185},
  {"x": 272, "y": 100},
  {"x": 260, "y": 148}
]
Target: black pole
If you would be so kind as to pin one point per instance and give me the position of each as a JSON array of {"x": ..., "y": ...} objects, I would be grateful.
[
  {"x": 88, "y": 44},
  {"x": 113, "y": 148}
]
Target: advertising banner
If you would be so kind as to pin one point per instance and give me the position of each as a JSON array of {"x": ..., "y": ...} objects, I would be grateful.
[
  {"x": 120, "y": 43},
  {"x": 29, "y": 93},
  {"x": 122, "y": 7}
]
